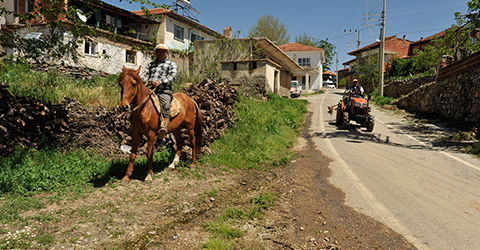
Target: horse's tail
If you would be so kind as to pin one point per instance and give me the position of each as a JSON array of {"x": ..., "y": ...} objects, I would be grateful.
[{"x": 198, "y": 126}]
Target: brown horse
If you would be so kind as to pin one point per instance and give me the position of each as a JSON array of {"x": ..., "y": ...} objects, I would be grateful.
[{"x": 145, "y": 120}]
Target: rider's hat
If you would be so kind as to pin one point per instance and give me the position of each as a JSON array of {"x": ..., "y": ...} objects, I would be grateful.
[
  {"x": 161, "y": 46},
  {"x": 354, "y": 81}
]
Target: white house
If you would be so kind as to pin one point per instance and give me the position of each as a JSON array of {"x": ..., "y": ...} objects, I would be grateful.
[
  {"x": 311, "y": 59},
  {"x": 179, "y": 32},
  {"x": 121, "y": 37}
]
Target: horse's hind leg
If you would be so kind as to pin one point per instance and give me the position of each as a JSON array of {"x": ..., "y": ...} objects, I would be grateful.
[
  {"x": 179, "y": 144},
  {"x": 191, "y": 135}
]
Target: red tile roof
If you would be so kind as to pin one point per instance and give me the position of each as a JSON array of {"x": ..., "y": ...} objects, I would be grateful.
[
  {"x": 439, "y": 35},
  {"x": 297, "y": 47},
  {"x": 370, "y": 46},
  {"x": 329, "y": 73}
]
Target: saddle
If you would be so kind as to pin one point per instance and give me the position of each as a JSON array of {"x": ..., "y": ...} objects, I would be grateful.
[{"x": 174, "y": 107}]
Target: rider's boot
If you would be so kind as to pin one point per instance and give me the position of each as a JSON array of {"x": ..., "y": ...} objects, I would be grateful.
[{"x": 163, "y": 130}]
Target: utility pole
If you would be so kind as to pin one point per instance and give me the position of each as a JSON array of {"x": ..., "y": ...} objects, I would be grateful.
[
  {"x": 336, "y": 65},
  {"x": 358, "y": 42},
  {"x": 382, "y": 49},
  {"x": 350, "y": 42}
]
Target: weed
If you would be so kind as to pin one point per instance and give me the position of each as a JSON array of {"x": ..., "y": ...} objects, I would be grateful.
[{"x": 212, "y": 193}]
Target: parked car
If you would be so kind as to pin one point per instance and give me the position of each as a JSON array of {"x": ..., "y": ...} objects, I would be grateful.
[
  {"x": 330, "y": 84},
  {"x": 295, "y": 89}
]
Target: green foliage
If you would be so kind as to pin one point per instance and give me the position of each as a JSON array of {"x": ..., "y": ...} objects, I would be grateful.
[
  {"x": 52, "y": 86},
  {"x": 475, "y": 149},
  {"x": 271, "y": 28},
  {"x": 318, "y": 43},
  {"x": 262, "y": 136},
  {"x": 29, "y": 171},
  {"x": 381, "y": 100},
  {"x": 209, "y": 56},
  {"x": 403, "y": 67}
]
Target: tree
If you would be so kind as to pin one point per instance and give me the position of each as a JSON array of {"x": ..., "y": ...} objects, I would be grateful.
[
  {"x": 271, "y": 28},
  {"x": 318, "y": 43}
]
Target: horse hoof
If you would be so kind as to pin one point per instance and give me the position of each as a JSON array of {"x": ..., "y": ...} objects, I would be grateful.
[
  {"x": 171, "y": 168},
  {"x": 148, "y": 182},
  {"x": 192, "y": 169}
]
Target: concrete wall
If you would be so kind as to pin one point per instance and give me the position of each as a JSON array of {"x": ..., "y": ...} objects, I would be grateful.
[
  {"x": 252, "y": 82},
  {"x": 455, "y": 94}
]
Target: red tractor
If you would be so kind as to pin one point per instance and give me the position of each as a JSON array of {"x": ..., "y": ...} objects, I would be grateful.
[{"x": 356, "y": 108}]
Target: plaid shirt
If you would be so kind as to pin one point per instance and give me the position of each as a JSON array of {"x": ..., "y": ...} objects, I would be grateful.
[{"x": 165, "y": 72}]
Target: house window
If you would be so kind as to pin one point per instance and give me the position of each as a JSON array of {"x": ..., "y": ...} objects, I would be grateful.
[
  {"x": 23, "y": 6},
  {"x": 178, "y": 32},
  {"x": 130, "y": 58},
  {"x": 304, "y": 62},
  {"x": 90, "y": 48},
  {"x": 195, "y": 37}
]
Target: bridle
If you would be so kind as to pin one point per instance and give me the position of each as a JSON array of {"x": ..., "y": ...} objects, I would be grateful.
[{"x": 135, "y": 93}]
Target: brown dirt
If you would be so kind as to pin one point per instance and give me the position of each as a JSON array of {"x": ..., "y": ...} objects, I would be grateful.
[{"x": 309, "y": 212}]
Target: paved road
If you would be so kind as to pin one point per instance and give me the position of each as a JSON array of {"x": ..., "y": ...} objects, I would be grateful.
[{"x": 429, "y": 194}]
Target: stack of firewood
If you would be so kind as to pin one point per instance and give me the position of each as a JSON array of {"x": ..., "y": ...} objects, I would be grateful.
[
  {"x": 25, "y": 121},
  {"x": 216, "y": 102}
]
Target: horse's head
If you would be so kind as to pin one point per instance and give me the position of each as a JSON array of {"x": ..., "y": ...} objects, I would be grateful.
[{"x": 128, "y": 81}]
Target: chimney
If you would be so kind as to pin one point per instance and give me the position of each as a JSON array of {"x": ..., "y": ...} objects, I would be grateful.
[
  {"x": 227, "y": 32},
  {"x": 404, "y": 37}
]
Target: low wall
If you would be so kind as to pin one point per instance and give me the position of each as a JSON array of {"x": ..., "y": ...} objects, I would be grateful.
[
  {"x": 399, "y": 88},
  {"x": 455, "y": 94}
]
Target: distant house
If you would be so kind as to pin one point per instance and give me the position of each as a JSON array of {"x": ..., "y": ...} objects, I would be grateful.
[
  {"x": 311, "y": 60},
  {"x": 393, "y": 47},
  {"x": 329, "y": 76},
  {"x": 256, "y": 65},
  {"x": 121, "y": 37},
  {"x": 424, "y": 42}
]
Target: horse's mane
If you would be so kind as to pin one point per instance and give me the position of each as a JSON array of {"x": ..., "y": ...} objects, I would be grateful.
[{"x": 130, "y": 72}]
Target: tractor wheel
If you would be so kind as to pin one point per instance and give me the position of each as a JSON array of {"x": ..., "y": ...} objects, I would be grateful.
[
  {"x": 345, "y": 120},
  {"x": 339, "y": 115},
  {"x": 370, "y": 123}
]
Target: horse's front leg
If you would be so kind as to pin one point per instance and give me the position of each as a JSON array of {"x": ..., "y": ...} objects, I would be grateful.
[
  {"x": 133, "y": 155},
  {"x": 179, "y": 144},
  {"x": 151, "y": 143}
]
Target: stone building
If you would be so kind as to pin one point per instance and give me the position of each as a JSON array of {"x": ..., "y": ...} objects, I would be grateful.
[{"x": 256, "y": 65}]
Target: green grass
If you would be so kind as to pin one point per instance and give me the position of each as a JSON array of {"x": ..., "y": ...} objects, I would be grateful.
[
  {"x": 263, "y": 136},
  {"x": 381, "y": 100}
]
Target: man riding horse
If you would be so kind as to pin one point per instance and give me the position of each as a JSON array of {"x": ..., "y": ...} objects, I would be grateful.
[{"x": 161, "y": 73}]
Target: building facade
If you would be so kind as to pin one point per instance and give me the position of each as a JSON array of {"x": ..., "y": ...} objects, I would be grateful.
[{"x": 311, "y": 60}]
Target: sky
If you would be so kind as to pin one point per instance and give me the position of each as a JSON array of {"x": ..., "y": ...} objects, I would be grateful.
[{"x": 332, "y": 19}]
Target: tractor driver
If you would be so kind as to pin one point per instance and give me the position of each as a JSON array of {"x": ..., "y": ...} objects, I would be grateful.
[
  {"x": 355, "y": 89},
  {"x": 161, "y": 73}
]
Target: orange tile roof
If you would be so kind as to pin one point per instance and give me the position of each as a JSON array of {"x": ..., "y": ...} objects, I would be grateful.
[
  {"x": 297, "y": 47},
  {"x": 329, "y": 73},
  {"x": 370, "y": 46}
]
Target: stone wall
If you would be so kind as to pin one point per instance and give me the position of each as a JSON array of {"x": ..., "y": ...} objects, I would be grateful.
[
  {"x": 399, "y": 88},
  {"x": 455, "y": 94}
]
